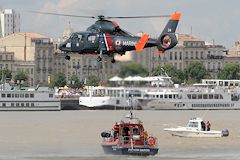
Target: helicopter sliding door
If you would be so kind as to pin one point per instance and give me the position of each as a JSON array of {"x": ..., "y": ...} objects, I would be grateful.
[{"x": 91, "y": 44}]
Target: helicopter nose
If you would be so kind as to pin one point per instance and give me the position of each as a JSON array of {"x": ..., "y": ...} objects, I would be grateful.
[{"x": 65, "y": 46}]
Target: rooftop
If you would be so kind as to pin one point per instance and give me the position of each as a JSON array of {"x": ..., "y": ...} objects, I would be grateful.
[{"x": 32, "y": 35}]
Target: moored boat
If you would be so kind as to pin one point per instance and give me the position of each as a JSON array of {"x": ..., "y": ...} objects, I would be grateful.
[
  {"x": 129, "y": 137},
  {"x": 196, "y": 127}
]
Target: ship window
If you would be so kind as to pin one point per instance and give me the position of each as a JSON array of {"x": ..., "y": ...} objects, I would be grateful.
[
  {"x": 170, "y": 96},
  {"x": 26, "y": 95},
  {"x": 205, "y": 96},
  {"x": 135, "y": 131},
  {"x": 200, "y": 96},
  {"x": 4, "y": 104},
  {"x": 17, "y": 95},
  {"x": 117, "y": 101},
  {"x": 3, "y": 95},
  {"x": 161, "y": 96},
  {"x": 165, "y": 96},
  {"x": 194, "y": 96},
  {"x": 8, "y": 95},
  {"x": 12, "y": 104},
  {"x": 17, "y": 104},
  {"x": 157, "y": 96},
  {"x": 32, "y": 104},
  {"x": 210, "y": 96},
  {"x": 27, "y": 104},
  {"x": 189, "y": 96},
  {"x": 22, "y": 104},
  {"x": 21, "y": 95},
  {"x": 12, "y": 95},
  {"x": 51, "y": 95},
  {"x": 31, "y": 95},
  {"x": 216, "y": 96}
]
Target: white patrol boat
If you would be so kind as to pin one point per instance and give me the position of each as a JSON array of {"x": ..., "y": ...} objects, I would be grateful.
[{"x": 195, "y": 128}]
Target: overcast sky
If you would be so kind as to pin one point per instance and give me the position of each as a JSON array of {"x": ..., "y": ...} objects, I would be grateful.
[{"x": 210, "y": 20}]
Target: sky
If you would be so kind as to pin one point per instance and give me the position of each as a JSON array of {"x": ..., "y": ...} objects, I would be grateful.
[{"x": 210, "y": 20}]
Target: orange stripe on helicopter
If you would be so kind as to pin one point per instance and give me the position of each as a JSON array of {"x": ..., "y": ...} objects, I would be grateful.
[
  {"x": 175, "y": 16},
  {"x": 141, "y": 43}
]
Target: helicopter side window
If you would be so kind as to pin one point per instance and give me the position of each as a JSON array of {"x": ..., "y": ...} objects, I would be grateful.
[
  {"x": 92, "y": 38},
  {"x": 79, "y": 37}
]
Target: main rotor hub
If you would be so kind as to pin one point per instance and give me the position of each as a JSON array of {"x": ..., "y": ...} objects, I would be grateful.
[{"x": 101, "y": 17}]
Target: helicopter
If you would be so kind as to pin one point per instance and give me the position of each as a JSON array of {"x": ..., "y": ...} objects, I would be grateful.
[{"x": 106, "y": 37}]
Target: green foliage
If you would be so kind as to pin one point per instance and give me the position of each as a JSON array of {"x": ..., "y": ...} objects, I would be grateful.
[
  {"x": 93, "y": 81},
  {"x": 230, "y": 71},
  {"x": 132, "y": 69},
  {"x": 59, "y": 80},
  {"x": 75, "y": 82},
  {"x": 21, "y": 78},
  {"x": 175, "y": 74},
  {"x": 194, "y": 72},
  {"x": 6, "y": 73}
]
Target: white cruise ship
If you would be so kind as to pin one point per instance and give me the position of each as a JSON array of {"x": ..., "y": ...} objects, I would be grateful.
[
  {"x": 121, "y": 97},
  {"x": 199, "y": 96},
  {"x": 28, "y": 99}
]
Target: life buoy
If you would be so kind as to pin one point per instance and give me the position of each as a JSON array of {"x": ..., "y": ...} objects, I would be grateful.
[{"x": 151, "y": 141}]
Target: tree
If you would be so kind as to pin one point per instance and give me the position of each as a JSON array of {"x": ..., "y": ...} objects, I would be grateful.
[
  {"x": 21, "y": 78},
  {"x": 132, "y": 69},
  {"x": 175, "y": 74},
  {"x": 230, "y": 71},
  {"x": 194, "y": 72},
  {"x": 59, "y": 80},
  {"x": 74, "y": 82},
  {"x": 6, "y": 73},
  {"x": 93, "y": 81}
]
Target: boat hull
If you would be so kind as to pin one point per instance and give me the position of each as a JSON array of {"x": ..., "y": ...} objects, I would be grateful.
[
  {"x": 140, "y": 150},
  {"x": 192, "y": 134}
]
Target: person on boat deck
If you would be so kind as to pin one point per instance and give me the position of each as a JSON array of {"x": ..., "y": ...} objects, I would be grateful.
[
  {"x": 115, "y": 131},
  {"x": 203, "y": 125},
  {"x": 208, "y": 126},
  {"x": 145, "y": 135}
]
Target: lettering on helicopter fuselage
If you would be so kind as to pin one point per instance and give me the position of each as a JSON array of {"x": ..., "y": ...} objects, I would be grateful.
[{"x": 129, "y": 43}]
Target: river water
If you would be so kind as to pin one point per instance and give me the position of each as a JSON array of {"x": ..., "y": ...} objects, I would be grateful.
[{"x": 75, "y": 135}]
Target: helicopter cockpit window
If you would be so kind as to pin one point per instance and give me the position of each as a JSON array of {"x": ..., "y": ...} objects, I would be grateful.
[
  {"x": 75, "y": 38},
  {"x": 92, "y": 38}
]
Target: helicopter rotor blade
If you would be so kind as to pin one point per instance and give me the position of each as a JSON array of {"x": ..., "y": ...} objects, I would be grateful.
[
  {"x": 128, "y": 17},
  {"x": 100, "y": 16},
  {"x": 65, "y": 15}
]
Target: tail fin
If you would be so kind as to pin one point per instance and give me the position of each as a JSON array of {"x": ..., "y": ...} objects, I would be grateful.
[{"x": 167, "y": 38}]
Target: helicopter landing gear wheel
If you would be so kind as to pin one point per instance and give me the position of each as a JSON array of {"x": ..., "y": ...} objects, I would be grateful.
[
  {"x": 67, "y": 57},
  {"x": 99, "y": 59},
  {"x": 113, "y": 60}
]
